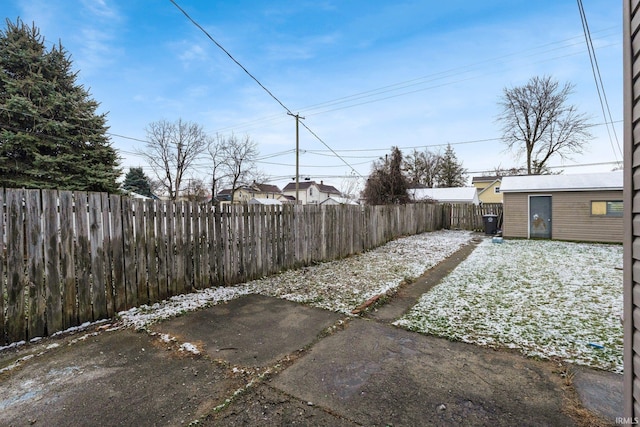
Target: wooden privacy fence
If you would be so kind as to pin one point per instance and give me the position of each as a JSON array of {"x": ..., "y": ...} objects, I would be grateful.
[
  {"x": 72, "y": 257},
  {"x": 469, "y": 216}
]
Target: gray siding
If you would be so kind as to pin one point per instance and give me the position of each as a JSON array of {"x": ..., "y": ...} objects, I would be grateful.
[
  {"x": 631, "y": 53},
  {"x": 515, "y": 221},
  {"x": 572, "y": 219}
]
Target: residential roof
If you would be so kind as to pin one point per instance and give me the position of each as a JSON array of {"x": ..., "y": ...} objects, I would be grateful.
[
  {"x": 339, "y": 200},
  {"x": 268, "y": 188},
  {"x": 303, "y": 185},
  {"x": 485, "y": 178},
  {"x": 575, "y": 182},
  {"x": 261, "y": 188},
  {"x": 260, "y": 201},
  {"x": 446, "y": 195}
]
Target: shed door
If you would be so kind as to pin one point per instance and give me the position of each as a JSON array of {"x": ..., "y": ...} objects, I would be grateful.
[{"x": 540, "y": 217}]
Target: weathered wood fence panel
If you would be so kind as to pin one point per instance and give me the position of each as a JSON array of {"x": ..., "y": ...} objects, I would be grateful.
[
  {"x": 67, "y": 258},
  {"x": 470, "y": 217}
]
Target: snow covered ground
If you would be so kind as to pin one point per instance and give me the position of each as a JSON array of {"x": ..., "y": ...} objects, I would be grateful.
[
  {"x": 337, "y": 285},
  {"x": 545, "y": 298}
]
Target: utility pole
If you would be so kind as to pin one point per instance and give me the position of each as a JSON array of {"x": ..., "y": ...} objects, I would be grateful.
[{"x": 297, "y": 116}]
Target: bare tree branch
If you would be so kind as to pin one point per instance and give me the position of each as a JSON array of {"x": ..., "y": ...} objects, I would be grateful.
[
  {"x": 171, "y": 150},
  {"x": 537, "y": 122}
]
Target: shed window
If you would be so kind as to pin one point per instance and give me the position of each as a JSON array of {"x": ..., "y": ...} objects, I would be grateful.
[{"x": 606, "y": 208}]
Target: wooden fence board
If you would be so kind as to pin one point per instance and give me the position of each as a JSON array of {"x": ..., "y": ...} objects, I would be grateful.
[
  {"x": 220, "y": 249},
  {"x": 141, "y": 256},
  {"x": 179, "y": 251},
  {"x": 161, "y": 248},
  {"x": 117, "y": 256},
  {"x": 3, "y": 251},
  {"x": 150, "y": 250},
  {"x": 52, "y": 262},
  {"x": 67, "y": 260},
  {"x": 35, "y": 265},
  {"x": 107, "y": 232},
  {"x": 205, "y": 270},
  {"x": 129, "y": 250},
  {"x": 170, "y": 222},
  {"x": 96, "y": 243},
  {"x": 83, "y": 258},
  {"x": 16, "y": 280},
  {"x": 187, "y": 254},
  {"x": 196, "y": 257},
  {"x": 212, "y": 238}
]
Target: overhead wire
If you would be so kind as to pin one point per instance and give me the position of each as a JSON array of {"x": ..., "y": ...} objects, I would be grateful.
[
  {"x": 257, "y": 81},
  {"x": 321, "y": 107},
  {"x": 602, "y": 96}
]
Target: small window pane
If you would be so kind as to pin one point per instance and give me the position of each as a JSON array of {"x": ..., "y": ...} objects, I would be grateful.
[
  {"x": 598, "y": 208},
  {"x": 614, "y": 208},
  {"x": 607, "y": 208}
]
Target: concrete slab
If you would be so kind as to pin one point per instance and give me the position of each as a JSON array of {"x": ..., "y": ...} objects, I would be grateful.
[
  {"x": 113, "y": 378},
  {"x": 600, "y": 392},
  {"x": 267, "y": 406},
  {"x": 376, "y": 374},
  {"x": 253, "y": 330}
]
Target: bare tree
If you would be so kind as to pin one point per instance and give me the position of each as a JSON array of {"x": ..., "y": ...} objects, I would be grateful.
[
  {"x": 421, "y": 167},
  {"x": 349, "y": 186},
  {"x": 239, "y": 161},
  {"x": 512, "y": 171},
  {"x": 196, "y": 190},
  {"x": 171, "y": 150},
  {"x": 215, "y": 147},
  {"x": 537, "y": 121}
]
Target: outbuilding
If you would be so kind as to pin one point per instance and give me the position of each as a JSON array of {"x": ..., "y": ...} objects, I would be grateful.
[
  {"x": 455, "y": 195},
  {"x": 579, "y": 207}
]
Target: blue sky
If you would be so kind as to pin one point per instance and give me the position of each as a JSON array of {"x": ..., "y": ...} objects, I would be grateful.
[{"x": 366, "y": 75}]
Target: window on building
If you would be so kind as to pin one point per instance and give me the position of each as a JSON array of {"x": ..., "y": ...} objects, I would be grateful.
[
  {"x": 606, "y": 208},
  {"x": 496, "y": 190}
]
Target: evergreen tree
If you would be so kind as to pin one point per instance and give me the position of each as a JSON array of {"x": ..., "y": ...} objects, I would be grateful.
[
  {"x": 450, "y": 171},
  {"x": 136, "y": 181},
  {"x": 387, "y": 184},
  {"x": 50, "y": 133}
]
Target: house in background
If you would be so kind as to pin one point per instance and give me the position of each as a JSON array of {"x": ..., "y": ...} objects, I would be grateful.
[
  {"x": 580, "y": 207},
  {"x": 311, "y": 193},
  {"x": 265, "y": 202},
  {"x": 246, "y": 193},
  {"x": 454, "y": 195},
  {"x": 488, "y": 188}
]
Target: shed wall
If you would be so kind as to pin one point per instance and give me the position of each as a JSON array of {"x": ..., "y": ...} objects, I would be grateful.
[
  {"x": 571, "y": 217},
  {"x": 515, "y": 221}
]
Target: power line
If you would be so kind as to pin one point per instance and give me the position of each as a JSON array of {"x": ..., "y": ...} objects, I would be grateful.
[
  {"x": 598, "y": 78},
  {"x": 256, "y": 80},
  {"x": 309, "y": 110}
]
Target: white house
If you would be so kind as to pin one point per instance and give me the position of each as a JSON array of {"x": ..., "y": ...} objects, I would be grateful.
[{"x": 311, "y": 193}]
